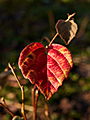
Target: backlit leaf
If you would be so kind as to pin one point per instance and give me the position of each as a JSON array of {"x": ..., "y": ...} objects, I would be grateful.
[
  {"x": 66, "y": 29},
  {"x": 45, "y": 67}
]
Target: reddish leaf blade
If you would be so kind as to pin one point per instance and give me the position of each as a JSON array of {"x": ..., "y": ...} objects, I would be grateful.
[
  {"x": 59, "y": 64},
  {"x": 66, "y": 53},
  {"x": 60, "y": 61},
  {"x": 46, "y": 71},
  {"x": 32, "y": 60},
  {"x": 66, "y": 29}
]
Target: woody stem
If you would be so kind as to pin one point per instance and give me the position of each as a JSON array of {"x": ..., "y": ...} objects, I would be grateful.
[
  {"x": 34, "y": 102},
  {"x": 4, "y": 105},
  {"x": 53, "y": 39},
  {"x": 22, "y": 91}
]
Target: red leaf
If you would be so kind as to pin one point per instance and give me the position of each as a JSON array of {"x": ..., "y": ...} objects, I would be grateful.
[{"x": 45, "y": 67}]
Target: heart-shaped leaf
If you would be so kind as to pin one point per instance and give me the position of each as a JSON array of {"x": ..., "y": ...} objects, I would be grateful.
[
  {"x": 66, "y": 29},
  {"x": 45, "y": 67}
]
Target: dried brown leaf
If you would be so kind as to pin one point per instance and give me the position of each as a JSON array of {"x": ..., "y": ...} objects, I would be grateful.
[{"x": 66, "y": 29}]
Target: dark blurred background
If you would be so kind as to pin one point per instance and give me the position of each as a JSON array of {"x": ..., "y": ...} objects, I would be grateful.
[{"x": 26, "y": 21}]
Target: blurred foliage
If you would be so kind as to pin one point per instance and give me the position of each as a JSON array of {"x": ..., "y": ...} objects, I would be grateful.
[{"x": 26, "y": 21}]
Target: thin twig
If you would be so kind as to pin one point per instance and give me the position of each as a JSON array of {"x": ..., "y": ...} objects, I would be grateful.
[
  {"x": 23, "y": 105},
  {"x": 47, "y": 114},
  {"x": 53, "y": 39},
  {"x": 12, "y": 70},
  {"x": 22, "y": 91},
  {"x": 3, "y": 101},
  {"x": 18, "y": 106},
  {"x": 4, "y": 105},
  {"x": 34, "y": 102},
  {"x": 36, "y": 96},
  {"x": 70, "y": 16}
]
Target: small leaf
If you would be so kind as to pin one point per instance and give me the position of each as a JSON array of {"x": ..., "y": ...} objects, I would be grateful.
[
  {"x": 66, "y": 29},
  {"x": 45, "y": 67}
]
